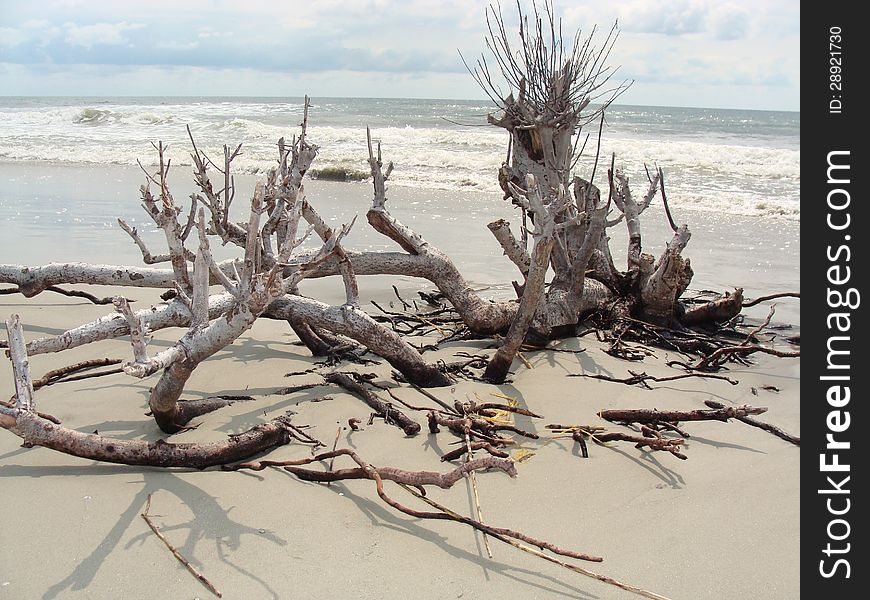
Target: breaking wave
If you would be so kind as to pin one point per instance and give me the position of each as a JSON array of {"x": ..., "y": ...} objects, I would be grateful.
[{"x": 707, "y": 166}]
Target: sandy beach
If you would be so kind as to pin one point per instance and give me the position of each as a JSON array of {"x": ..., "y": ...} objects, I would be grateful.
[{"x": 722, "y": 524}]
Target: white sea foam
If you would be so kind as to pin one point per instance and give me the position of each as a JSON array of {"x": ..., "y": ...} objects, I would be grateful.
[{"x": 710, "y": 169}]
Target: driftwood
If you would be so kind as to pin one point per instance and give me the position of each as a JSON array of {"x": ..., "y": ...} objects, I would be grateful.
[
  {"x": 642, "y": 378},
  {"x": 385, "y": 410},
  {"x": 651, "y": 438},
  {"x": 409, "y": 480},
  {"x": 645, "y": 415},
  {"x": 74, "y": 372},
  {"x": 554, "y": 91},
  {"x": 760, "y": 424},
  {"x": 175, "y": 552},
  {"x": 69, "y": 293}
]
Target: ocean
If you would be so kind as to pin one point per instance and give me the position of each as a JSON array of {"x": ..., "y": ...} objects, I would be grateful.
[{"x": 737, "y": 162}]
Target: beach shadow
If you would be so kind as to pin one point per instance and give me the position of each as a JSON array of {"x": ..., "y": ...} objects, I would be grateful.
[
  {"x": 210, "y": 522},
  {"x": 380, "y": 516},
  {"x": 649, "y": 462},
  {"x": 523, "y": 422},
  {"x": 718, "y": 445}
]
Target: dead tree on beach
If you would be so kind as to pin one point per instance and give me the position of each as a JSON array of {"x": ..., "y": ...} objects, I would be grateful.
[
  {"x": 553, "y": 90},
  {"x": 565, "y": 219}
]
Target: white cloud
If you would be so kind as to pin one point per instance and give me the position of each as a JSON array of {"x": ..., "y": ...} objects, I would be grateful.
[
  {"x": 730, "y": 22},
  {"x": 110, "y": 34},
  {"x": 38, "y": 30},
  {"x": 669, "y": 17}
]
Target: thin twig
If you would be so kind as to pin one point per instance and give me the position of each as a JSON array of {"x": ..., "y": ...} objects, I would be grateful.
[
  {"x": 473, "y": 478},
  {"x": 760, "y": 424},
  {"x": 202, "y": 578},
  {"x": 771, "y": 297}
]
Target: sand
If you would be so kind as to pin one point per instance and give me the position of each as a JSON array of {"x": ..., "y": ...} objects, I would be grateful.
[{"x": 722, "y": 524}]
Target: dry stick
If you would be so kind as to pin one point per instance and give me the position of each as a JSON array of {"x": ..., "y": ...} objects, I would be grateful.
[
  {"x": 385, "y": 410},
  {"x": 64, "y": 373},
  {"x": 476, "y": 426},
  {"x": 771, "y": 297},
  {"x": 202, "y": 578},
  {"x": 705, "y": 362},
  {"x": 473, "y": 478},
  {"x": 434, "y": 398},
  {"x": 383, "y": 387},
  {"x": 334, "y": 446},
  {"x": 665, "y": 200},
  {"x": 112, "y": 371},
  {"x": 454, "y": 454},
  {"x": 651, "y": 415},
  {"x": 651, "y": 438},
  {"x": 540, "y": 554},
  {"x": 744, "y": 347},
  {"x": 642, "y": 378},
  {"x": 69, "y": 293},
  {"x": 760, "y": 424},
  {"x": 20, "y": 364},
  {"x": 45, "y": 416},
  {"x": 419, "y": 479},
  {"x": 402, "y": 300}
]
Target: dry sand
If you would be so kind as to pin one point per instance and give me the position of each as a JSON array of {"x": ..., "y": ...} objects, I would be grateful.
[{"x": 722, "y": 524}]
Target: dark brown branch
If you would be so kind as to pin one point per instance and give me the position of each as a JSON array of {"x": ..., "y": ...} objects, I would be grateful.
[
  {"x": 65, "y": 373},
  {"x": 761, "y": 299},
  {"x": 385, "y": 410},
  {"x": 665, "y": 200},
  {"x": 652, "y": 415},
  {"x": 760, "y": 424},
  {"x": 70, "y": 293},
  {"x": 654, "y": 441},
  {"x": 642, "y": 378},
  {"x": 464, "y": 448},
  {"x": 717, "y": 311},
  {"x": 480, "y": 428},
  {"x": 419, "y": 479},
  {"x": 742, "y": 350}
]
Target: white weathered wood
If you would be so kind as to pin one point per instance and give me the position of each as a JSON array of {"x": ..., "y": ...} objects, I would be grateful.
[
  {"x": 515, "y": 251},
  {"x": 199, "y": 299},
  {"x": 34, "y": 279},
  {"x": 137, "y": 328},
  {"x": 147, "y": 257},
  {"x": 20, "y": 364}
]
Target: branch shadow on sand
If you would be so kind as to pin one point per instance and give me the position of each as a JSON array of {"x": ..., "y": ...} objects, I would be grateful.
[{"x": 210, "y": 522}]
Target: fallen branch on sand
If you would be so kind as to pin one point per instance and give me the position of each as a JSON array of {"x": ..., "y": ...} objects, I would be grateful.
[
  {"x": 642, "y": 378},
  {"x": 760, "y": 424},
  {"x": 57, "y": 290},
  {"x": 417, "y": 479},
  {"x": 178, "y": 555},
  {"x": 652, "y": 415}
]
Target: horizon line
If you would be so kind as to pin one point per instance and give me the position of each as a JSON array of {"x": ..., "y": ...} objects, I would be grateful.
[{"x": 2, "y": 95}]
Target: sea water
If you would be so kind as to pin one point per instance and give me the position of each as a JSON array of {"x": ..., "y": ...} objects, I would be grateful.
[{"x": 736, "y": 162}]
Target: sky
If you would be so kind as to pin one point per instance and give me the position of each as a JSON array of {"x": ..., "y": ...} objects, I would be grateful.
[{"x": 702, "y": 53}]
